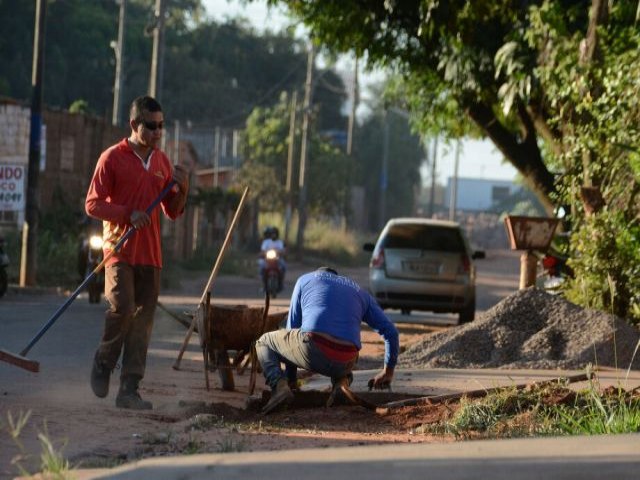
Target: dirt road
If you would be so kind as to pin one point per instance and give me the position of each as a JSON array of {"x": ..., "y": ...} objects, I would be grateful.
[{"x": 186, "y": 417}]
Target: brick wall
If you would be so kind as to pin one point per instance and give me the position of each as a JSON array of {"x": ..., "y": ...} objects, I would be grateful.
[{"x": 73, "y": 144}]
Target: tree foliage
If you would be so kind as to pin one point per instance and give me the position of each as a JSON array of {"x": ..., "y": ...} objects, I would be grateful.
[
  {"x": 265, "y": 148},
  {"x": 214, "y": 73},
  {"x": 446, "y": 53},
  {"x": 594, "y": 91},
  {"x": 404, "y": 157}
]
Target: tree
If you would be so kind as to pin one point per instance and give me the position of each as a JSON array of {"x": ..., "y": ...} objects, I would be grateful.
[
  {"x": 404, "y": 155},
  {"x": 445, "y": 51},
  {"x": 265, "y": 147},
  {"x": 592, "y": 80},
  {"x": 214, "y": 73},
  {"x": 553, "y": 83}
]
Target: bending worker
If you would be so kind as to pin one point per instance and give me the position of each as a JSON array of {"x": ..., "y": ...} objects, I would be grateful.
[{"x": 323, "y": 335}]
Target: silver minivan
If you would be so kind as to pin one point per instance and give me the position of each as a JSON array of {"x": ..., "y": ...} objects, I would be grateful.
[{"x": 424, "y": 264}]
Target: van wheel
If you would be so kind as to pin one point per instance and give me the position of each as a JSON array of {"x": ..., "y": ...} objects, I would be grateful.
[{"x": 468, "y": 314}]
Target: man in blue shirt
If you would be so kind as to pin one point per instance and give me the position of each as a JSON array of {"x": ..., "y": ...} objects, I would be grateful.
[{"x": 323, "y": 334}]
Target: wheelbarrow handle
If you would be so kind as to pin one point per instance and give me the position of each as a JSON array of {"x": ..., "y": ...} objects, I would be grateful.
[{"x": 95, "y": 271}]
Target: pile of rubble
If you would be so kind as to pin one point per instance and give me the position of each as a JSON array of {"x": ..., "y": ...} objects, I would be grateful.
[{"x": 531, "y": 329}]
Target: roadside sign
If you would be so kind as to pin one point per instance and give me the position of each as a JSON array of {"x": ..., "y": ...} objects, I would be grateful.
[
  {"x": 530, "y": 233},
  {"x": 12, "y": 180}
]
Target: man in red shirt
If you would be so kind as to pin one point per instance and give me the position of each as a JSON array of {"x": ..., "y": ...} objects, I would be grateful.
[{"x": 128, "y": 177}]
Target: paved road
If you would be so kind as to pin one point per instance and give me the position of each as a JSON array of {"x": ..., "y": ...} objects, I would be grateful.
[{"x": 497, "y": 278}]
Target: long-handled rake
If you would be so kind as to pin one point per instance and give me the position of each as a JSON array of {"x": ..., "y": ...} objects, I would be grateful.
[{"x": 20, "y": 360}]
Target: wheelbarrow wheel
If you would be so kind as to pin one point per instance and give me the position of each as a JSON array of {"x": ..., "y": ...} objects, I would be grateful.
[{"x": 225, "y": 371}]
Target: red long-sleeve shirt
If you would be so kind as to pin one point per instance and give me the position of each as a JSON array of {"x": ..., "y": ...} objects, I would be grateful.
[{"x": 120, "y": 185}]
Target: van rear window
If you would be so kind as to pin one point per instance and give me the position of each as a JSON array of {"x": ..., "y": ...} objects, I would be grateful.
[{"x": 424, "y": 237}]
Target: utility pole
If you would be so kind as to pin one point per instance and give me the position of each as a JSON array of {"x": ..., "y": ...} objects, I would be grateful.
[
  {"x": 384, "y": 171},
  {"x": 119, "y": 51},
  {"x": 176, "y": 143},
  {"x": 350, "y": 130},
  {"x": 290, "y": 153},
  {"x": 234, "y": 152},
  {"x": 306, "y": 118},
  {"x": 354, "y": 106},
  {"x": 30, "y": 263},
  {"x": 157, "y": 56},
  {"x": 432, "y": 193},
  {"x": 216, "y": 157},
  {"x": 453, "y": 194}
]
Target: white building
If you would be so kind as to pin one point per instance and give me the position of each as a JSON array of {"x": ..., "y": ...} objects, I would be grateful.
[{"x": 477, "y": 194}]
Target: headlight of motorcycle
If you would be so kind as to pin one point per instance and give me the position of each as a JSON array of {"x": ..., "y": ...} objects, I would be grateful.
[
  {"x": 272, "y": 254},
  {"x": 95, "y": 241}
]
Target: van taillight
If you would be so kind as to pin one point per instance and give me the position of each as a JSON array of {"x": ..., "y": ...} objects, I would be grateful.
[
  {"x": 377, "y": 261},
  {"x": 465, "y": 264}
]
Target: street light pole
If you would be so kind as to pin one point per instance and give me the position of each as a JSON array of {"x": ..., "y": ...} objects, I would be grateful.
[{"x": 119, "y": 51}]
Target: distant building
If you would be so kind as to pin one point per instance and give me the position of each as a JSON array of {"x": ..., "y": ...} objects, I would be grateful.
[{"x": 478, "y": 194}]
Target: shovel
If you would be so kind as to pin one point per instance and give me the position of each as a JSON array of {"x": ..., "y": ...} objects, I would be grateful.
[{"x": 20, "y": 360}]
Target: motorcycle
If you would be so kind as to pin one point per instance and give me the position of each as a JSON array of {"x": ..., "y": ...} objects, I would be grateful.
[
  {"x": 554, "y": 272},
  {"x": 272, "y": 275},
  {"x": 4, "y": 263},
  {"x": 90, "y": 257}
]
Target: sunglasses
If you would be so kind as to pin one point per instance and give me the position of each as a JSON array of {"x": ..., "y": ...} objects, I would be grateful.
[{"x": 153, "y": 125}]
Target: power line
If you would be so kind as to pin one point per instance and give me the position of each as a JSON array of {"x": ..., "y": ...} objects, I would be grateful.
[{"x": 267, "y": 94}]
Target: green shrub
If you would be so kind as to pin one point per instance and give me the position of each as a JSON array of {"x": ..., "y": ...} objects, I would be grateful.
[
  {"x": 606, "y": 262},
  {"x": 57, "y": 258}
]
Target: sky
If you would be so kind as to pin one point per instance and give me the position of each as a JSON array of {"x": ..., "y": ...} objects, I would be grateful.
[{"x": 478, "y": 159}]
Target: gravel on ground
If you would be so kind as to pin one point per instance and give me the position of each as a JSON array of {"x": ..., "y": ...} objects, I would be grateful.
[{"x": 531, "y": 329}]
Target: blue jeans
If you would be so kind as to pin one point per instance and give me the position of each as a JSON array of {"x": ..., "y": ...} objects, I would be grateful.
[{"x": 296, "y": 349}]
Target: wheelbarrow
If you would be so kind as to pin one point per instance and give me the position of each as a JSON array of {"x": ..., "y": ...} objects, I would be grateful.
[{"x": 223, "y": 328}]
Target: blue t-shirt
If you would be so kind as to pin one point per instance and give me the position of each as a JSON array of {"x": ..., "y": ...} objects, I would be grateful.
[{"x": 327, "y": 303}]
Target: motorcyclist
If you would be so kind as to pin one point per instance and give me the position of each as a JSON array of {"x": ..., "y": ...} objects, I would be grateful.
[{"x": 272, "y": 241}]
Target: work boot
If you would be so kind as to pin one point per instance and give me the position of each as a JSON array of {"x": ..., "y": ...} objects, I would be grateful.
[
  {"x": 128, "y": 396},
  {"x": 336, "y": 388},
  {"x": 100, "y": 375},
  {"x": 282, "y": 394}
]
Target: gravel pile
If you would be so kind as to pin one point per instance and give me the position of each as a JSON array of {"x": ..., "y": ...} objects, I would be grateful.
[{"x": 530, "y": 329}]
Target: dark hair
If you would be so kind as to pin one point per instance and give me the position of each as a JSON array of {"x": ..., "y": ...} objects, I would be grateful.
[
  {"x": 142, "y": 104},
  {"x": 328, "y": 269}
]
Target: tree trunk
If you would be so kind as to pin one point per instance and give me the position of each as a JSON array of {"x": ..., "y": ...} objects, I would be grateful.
[
  {"x": 524, "y": 155},
  {"x": 590, "y": 55}
]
